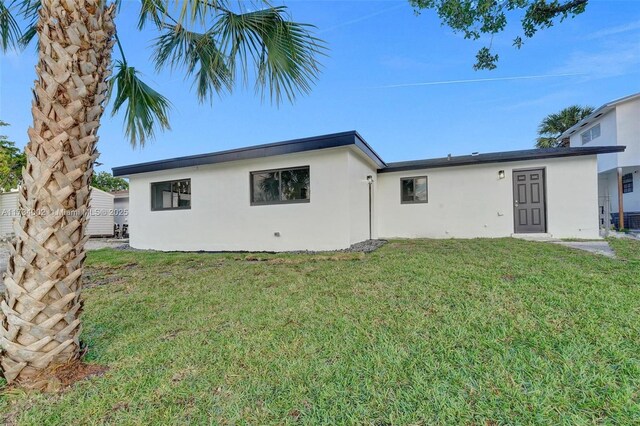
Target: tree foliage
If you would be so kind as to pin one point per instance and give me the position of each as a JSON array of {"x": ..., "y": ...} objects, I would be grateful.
[
  {"x": 107, "y": 182},
  {"x": 473, "y": 18},
  {"x": 214, "y": 43},
  {"x": 12, "y": 160},
  {"x": 553, "y": 125}
]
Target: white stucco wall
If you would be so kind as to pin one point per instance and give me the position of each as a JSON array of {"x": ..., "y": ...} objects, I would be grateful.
[
  {"x": 359, "y": 169},
  {"x": 608, "y": 137},
  {"x": 221, "y": 217},
  {"x": 471, "y": 201},
  {"x": 632, "y": 199},
  {"x": 628, "y": 133},
  {"x": 620, "y": 126},
  {"x": 608, "y": 186}
]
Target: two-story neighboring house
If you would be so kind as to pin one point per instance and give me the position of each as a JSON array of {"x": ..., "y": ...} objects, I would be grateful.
[{"x": 614, "y": 123}]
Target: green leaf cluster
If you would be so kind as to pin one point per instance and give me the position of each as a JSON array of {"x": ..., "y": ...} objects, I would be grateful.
[
  {"x": 474, "y": 18},
  {"x": 107, "y": 182},
  {"x": 12, "y": 160},
  {"x": 213, "y": 43},
  {"x": 554, "y": 125}
]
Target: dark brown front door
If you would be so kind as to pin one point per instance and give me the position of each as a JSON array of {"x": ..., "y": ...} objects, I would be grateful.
[{"x": 529, "y": 201}]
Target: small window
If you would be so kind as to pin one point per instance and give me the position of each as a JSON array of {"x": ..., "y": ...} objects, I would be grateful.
[
  {"x": 171, "y": 195},
  {"x": 591, "y": 134},
  {"x": 627, "y": 183},
  {"x": 280, "y": 186},
  {"x": 413, "y": 190}
]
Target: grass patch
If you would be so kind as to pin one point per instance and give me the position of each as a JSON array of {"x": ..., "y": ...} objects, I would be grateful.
[
  {"x": 626, "y": 248},
  {"x": 418, "y": 332}
]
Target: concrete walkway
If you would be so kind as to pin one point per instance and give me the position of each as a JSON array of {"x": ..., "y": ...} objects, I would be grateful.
[
  {"x": 600, "y": 247},
  {"x": 596, "y": 247}
]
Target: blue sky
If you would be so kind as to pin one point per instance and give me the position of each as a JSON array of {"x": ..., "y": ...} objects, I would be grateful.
[{"x": 381, "y": 54}]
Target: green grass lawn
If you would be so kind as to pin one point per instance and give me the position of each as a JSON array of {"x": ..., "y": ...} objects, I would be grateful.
[{"x": 418, "y": 332}]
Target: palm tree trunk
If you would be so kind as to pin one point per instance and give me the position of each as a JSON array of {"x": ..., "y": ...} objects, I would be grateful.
[{"x": 40, "y": 311}]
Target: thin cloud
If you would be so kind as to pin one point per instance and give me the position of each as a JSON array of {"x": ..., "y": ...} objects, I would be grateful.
[
  {"x": 619, "y": 29},
  {"x": 610, "y": 60},
  {"x": 361, "y": 18},
  {"x": 479, "y": 80},
  {"x": 549, "y": 101}
]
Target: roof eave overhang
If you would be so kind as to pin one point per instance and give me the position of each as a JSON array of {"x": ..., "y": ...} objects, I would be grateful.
[
  {"x": 334, "y": 140},
  {"x": 585, "y": 122},
  {"x": 600, "y": 111},
  {"x": 507, "y": 157}
]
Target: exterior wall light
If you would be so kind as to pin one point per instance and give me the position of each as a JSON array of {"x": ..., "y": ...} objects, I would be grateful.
[
  {"x": 501, "y": 174},
  {"x": 369, "y": 179}
]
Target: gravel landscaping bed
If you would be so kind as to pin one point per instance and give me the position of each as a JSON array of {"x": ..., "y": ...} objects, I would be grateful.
[{"x": 365, "y": 246}]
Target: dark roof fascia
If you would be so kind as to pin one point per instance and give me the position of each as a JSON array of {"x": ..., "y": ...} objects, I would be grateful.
[
  {"x": 499, "y": 157},
  {"x": 366, "y": 148},
  {"x": 258, "y": 151},
  {"x": 353, "y": 138}
]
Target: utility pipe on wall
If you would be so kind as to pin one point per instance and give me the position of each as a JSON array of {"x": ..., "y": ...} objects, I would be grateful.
[{"x": 370, "y": 182}]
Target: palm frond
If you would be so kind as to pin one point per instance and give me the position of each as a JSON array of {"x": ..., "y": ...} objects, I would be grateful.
[
  {"x": 283, "y": 52},
  {"x": 555, "y": 124},
  {"x": 9, "y": 29},
  {"x": 28, "y": 35},
  {"x": 145, "y": 109},
  {"x": 152, "y": 10},
  {"x": 197, "y": 11},
  {"x": 29, "y": 11},
  {"x": 198, "y": 53}
]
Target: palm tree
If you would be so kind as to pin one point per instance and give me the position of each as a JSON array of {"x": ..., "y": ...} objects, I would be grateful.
[
  {"x": 211, "y": 41},
  {"x": 553, "y": 125}
]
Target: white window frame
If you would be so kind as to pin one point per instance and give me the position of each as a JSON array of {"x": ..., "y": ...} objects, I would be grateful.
[{"x": 590, "y": 134}]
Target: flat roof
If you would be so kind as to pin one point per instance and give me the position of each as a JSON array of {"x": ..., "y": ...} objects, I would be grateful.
[
  {"x": 352, "y": 138},
  {"x": 332, "y": 140},
  {"x": 499, "y": 157}
]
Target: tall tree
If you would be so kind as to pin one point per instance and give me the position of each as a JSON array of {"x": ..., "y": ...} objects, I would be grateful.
[
  {"x": 490, "y": 17},
  {"x": 212, "y": 41},
  {"x": 106, "y": 182},
  {"x": 553, "y": 125},
  {"x": 12, "y": 160}
]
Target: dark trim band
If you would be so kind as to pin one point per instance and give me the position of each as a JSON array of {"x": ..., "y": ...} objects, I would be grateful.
[
  {"x": 353, "y": 138},
  {"x": 498, "y": 157},
  {"x": 258, "y": 151}
]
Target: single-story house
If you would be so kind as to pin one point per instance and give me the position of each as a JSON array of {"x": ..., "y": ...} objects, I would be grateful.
[
  {"x": 100, "y": 215},
  {"x": 329, "y": 192}
]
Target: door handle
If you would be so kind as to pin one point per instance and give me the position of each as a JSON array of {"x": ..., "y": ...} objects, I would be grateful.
[{"x": 517, "y": 203}]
